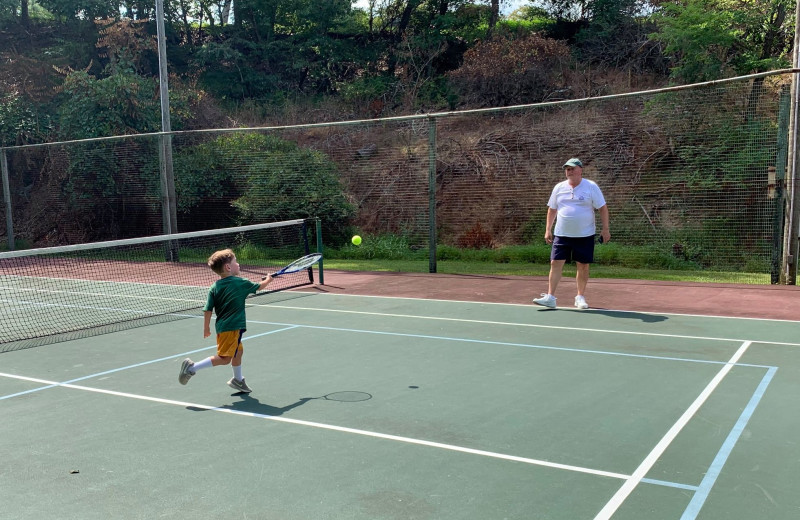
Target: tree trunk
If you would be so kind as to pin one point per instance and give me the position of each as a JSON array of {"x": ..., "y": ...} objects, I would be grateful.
[
  {"x": 225, "y": 16},
  {"x": 406, "y": 18},
  {"x": 24, "y": 18},
  {"x": 493, "y": 17},
  {"x": 769, "y": 46}
]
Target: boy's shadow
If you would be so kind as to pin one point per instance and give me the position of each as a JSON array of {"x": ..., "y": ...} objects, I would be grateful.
[{"x": 250, "y": 404}]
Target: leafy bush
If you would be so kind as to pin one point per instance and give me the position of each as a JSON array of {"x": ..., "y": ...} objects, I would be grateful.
[
  {"x": 379, "y": 247},
  {"x": 205, "y": 185},
  {"x": 262, "y": 178},
  {"x": 122, "y": 103},
  {"x": 539, "y": 253},
  {"x": 476, "y": 238},
  {"x": 506, "y": 71},
  {"x": 17, "y": 120}
]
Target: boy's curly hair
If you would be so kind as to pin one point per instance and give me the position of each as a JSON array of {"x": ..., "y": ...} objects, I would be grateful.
[{"x": 220, "y": 259}]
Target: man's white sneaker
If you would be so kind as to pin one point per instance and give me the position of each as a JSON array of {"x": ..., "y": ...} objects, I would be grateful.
[
  {"x": 546, "y": 300},
  {"x": 580, "y": 302}
]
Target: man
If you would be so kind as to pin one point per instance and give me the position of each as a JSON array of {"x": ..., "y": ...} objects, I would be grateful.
[{"x": 571, "y": 206}]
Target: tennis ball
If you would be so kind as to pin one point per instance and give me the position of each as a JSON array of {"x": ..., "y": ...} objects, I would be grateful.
[{"x": 356, "y": 240}]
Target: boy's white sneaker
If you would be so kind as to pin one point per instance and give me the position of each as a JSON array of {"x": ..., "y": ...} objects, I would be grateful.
[
  {"x": 239, "y": 386},
  {"x": 580, "y": 302},
  {"x": 546, "y": 300},
  {"x": 186, "y": 371}
]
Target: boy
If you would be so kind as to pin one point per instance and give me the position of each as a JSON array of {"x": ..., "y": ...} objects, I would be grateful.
[{"x": 226, "y": 296}]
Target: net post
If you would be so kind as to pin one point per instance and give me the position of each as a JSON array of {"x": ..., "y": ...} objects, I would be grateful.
[
  {"x": 7, "y": 199},
  {"x": 318, "y": 225},
  {"x": 304, "y": 235},
  {"x": 431, "y": 194}
]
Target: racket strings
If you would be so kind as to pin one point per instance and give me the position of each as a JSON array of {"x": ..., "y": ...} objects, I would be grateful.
[{"x": 303, "y": 263}]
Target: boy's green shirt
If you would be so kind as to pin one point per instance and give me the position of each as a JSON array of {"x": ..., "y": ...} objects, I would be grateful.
[{"x": 226, "y": 298}]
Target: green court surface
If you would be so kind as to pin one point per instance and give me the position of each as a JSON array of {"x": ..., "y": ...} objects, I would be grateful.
[{"x": 434, "y": 410}]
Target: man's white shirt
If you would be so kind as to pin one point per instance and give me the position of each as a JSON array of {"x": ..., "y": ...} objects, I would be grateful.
[{"x": 576, "y": 208}]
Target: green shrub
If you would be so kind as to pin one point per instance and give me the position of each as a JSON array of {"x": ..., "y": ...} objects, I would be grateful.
[
  {"x": 18, "y": 120},
  {"x": 380, "y": 247},
  {"x": 250, "y": 178}
]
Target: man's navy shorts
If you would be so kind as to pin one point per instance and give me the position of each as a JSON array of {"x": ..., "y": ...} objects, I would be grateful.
[{"x": 578, "y": 249}]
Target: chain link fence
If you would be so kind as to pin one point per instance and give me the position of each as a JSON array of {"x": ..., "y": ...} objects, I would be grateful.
[{"x": 693, "y": 177}]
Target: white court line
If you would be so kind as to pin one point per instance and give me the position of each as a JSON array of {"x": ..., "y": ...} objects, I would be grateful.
[
  {"x": 627, "y": 478},
  {"x": 531, "y": 325},
  {"x": 505, "y": 344},
  {"x": 96, "y": 282},
  {"x": 343, "y": 429},
  {"x": 464, "y": 320},
  {"x": 102, "y": 295},
  {"x": 143, "y": 363},
  {"x": 637, "y": 476},
  {"x": 529, "y": 306},
  {"x": 524, "y": 306}
]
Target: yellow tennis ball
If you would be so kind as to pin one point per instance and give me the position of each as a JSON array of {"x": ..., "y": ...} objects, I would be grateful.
[{"x": 356, "y": 240}]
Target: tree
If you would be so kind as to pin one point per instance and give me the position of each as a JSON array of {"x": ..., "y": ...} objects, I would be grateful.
[
  {"x": 709, "y": 39},
  {"x": 82, "y": 9},
  {"x": 493, "y": 17}
]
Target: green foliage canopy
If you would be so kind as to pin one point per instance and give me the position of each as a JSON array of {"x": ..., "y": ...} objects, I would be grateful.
[{"x": 710, "y": 39}]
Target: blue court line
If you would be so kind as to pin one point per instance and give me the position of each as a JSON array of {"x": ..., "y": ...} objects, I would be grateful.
[
  {"x": 699, "y": 498},
  {"x": 701, "y": 492},
  {"x": 137, "y": 365}
]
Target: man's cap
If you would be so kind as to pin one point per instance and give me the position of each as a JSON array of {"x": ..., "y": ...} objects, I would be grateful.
[{"x": 573, "y": 162}]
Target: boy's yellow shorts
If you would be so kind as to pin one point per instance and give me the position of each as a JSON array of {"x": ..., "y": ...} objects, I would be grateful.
[{"x": 228, "y": 342}]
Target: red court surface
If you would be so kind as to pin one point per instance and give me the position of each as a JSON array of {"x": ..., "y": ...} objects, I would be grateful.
[{"x": 707, "y": 299}]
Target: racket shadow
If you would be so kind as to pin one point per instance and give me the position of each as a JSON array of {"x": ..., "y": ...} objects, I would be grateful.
[{"x": 348, "y": 396}]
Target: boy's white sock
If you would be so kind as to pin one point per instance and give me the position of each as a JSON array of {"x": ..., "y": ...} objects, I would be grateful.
[
  {"x": 200, "y": 365},
  {"x": 237, "y": 373}
]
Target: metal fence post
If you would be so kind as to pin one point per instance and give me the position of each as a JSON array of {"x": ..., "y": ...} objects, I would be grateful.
[
  {"x": 169, "y": 201},
  {"x": 431, "y": 194},
  {"x": 777, "y": 184},
  {"x": 7, "y": 199}
]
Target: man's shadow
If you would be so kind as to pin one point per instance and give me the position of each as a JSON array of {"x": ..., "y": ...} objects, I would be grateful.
[
  {"x": 250, "y": 404},
  {"x": 628, "y": 315}
]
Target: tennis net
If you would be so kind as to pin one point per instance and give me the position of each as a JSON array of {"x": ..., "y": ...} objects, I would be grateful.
[{"x": 59, "y": 293}]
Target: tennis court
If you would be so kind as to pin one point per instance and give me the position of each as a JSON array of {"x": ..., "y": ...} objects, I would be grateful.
[{"x": 369, "y": 407}]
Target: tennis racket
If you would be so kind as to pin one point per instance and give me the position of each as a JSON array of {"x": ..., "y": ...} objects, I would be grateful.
[{"x": 298, "y": 265}]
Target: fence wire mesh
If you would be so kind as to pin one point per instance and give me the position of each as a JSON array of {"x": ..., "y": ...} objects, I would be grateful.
[{"x": 694, "y": 177}]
